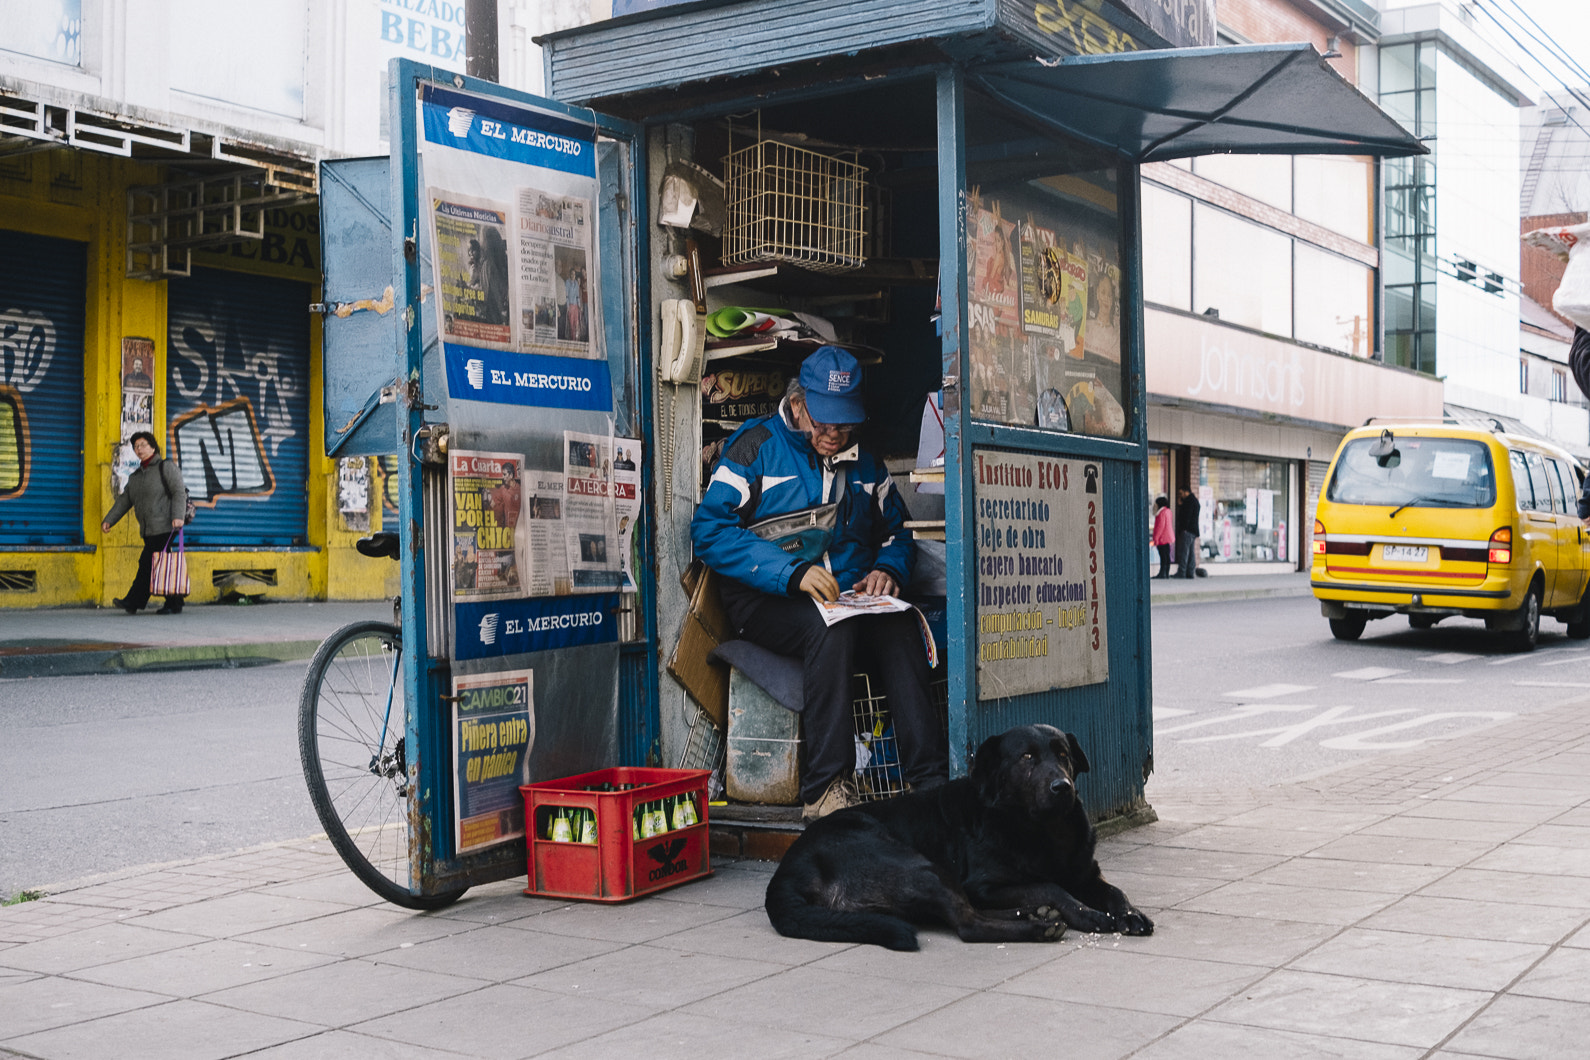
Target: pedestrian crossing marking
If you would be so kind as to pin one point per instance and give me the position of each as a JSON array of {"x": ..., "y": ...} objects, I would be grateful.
[
  {"x": 1269, "y": 691},
  {"x": 1369, "y": 673}
]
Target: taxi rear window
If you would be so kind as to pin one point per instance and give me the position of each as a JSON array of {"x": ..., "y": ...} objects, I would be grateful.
[{"x": 1416, "y": 473}]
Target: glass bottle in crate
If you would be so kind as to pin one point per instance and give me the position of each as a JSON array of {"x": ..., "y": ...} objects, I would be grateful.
[
  {"x": 588, "y": 827},
  {"x": 684, "y": 814},
  {"x": 561, "y": 832}
]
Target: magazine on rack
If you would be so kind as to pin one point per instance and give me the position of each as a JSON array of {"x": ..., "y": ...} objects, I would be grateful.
[
  {"x": 486, "y": 504},
  {"x": 471, "y": 237},
  {"x": 557, "y": 284}
]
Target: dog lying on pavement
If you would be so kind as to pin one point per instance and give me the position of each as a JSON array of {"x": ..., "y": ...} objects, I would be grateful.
[{"x": 1002, "y": 855}]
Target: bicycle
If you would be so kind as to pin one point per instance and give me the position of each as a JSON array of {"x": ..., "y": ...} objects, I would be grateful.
[{"x": 352, "y": 723}]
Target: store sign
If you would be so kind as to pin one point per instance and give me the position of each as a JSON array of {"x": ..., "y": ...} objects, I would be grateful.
[
  {"x": 513, "y": 627},
  {"x": 1183, "y": 23},
  {"x": 1192, "y": 360},
  {"x": 1041, "y": 616}
]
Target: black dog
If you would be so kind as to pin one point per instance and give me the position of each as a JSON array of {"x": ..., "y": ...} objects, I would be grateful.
[{"x": 1003, "y": 855}]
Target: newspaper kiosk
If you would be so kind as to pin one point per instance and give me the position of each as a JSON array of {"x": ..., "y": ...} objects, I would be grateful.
[{"x": 949, "y": 189}]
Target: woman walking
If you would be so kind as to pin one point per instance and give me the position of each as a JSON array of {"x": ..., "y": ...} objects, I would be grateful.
[
  {"x": 158, "y": 498},
  {"x": 1163, "y": 535}
]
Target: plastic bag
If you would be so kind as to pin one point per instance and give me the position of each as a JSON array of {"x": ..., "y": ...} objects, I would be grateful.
[{"x": 1572, "y": 299}]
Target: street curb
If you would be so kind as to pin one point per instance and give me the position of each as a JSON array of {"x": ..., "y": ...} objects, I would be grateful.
[
  {"x": 169, "y": 657},
  {"x": 1227, "y": 594}
]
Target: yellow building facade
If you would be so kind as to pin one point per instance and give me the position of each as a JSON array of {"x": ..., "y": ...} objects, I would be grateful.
[{"x": 232, "y": 387}]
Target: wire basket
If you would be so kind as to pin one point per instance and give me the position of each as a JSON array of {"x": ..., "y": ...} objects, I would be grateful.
[
  {"x": 878, "y": 773},
  {"x": 705, "y": 749},
  {"x": 790, "y": 204}
]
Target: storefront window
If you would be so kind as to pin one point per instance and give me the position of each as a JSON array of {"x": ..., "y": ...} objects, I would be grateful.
[
  {"x": 1043, "y": 261},
  {"x": 1336, "y": 191},
  {"x": 46, "y": 29},
  {"x": 1167, "y": 248},
  {"x": 1243, "y": 271},
  {"x": 1246, "y": 510},
  {"x": 1267, "y": 178},
  {"x": 1333, "y": 300}
]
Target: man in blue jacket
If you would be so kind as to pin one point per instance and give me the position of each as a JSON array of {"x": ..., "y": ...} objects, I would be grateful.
[{"x": 805, "y": 457}]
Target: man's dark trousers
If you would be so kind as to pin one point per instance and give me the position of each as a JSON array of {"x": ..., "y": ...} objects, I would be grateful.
[
  {"x": 1186, "y": 554},
  {"x": 888, "y": 647}
]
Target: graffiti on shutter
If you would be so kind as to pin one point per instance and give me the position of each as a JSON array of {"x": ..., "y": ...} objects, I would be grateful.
[
  {"x": 27, "y": 345},
  {"x": 226, "y": 442}
]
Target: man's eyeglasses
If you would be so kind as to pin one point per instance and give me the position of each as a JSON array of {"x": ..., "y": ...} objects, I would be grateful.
[{"x": 836, "y": 430}]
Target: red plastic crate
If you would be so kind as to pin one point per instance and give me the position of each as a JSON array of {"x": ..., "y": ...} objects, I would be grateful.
[{"x": 618, "y": 866}]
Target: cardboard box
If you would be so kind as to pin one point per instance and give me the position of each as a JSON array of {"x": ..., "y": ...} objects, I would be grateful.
[{"x": 706, "y": 626}]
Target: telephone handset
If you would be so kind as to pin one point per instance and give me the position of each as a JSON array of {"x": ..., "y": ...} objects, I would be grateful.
[
  {"x": 684, "y": 336},
  {"x": 684, "y": 326}
]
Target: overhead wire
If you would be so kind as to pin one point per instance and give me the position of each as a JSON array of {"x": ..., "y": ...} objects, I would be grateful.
[
  {"x": 1492, "y": 9},
  {"x": 1559, "y": 52},
  {"x": 1485, "y": 6}
]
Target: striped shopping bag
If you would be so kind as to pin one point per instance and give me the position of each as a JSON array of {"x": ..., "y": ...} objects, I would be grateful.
[{"x": 168, "y": 572}]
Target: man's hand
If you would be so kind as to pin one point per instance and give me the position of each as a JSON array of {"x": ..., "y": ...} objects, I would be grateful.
[
  {"x": 818, "y": 584},
  {"x": 176, "y": 524},
  {"x": 877, "y": 583},
  {"x": 104, "y": 527}
]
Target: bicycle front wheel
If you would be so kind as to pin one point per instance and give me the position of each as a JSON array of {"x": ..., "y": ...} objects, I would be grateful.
[{"x": 352, "y": 724}]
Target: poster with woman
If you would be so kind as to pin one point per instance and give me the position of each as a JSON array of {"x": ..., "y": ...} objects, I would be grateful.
[{"x": 1052, "y": 358}]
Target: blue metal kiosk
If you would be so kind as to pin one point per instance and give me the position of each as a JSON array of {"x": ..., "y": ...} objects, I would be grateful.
[{"x": 1003, "y": 238}]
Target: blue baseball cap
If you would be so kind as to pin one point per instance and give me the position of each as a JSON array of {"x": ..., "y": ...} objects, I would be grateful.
[{"x": 832, "y": 380}]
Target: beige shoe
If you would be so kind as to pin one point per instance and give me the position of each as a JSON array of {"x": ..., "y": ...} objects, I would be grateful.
[{"x": 841, "y": 793}]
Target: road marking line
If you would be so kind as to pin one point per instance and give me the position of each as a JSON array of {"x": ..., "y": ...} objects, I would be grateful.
[
  {"x": 1508, "y": 659},
  {"x": 1369, "y": 673},
  {"x": 1553, "y": 684},
  {"x": 1562, "y": 662},
  {"x": 1420, "y": 681},
  {"x": 1448, "y": 657},
  {"x": 1269, "y": 691},
  {"x": 1237, "y": 713}
]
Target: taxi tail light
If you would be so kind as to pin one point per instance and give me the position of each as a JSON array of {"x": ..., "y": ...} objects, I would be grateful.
[
  {"x": 1319, "y": 538},
  {"x": 1501, "y": 546}
]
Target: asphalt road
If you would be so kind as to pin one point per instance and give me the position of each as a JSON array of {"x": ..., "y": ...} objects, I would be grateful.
[
  {"x": 105, "y": 773},
  {"x": 1253, "y": 692}
]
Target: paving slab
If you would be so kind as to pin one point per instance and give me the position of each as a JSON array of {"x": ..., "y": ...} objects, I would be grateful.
[{"x": 1408, "y": 905}]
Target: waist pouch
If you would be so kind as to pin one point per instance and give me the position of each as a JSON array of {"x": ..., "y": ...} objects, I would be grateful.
[{"x": 805, "y": 534}]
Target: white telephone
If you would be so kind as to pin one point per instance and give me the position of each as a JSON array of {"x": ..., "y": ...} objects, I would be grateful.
[{"x": 683, "y": 346}]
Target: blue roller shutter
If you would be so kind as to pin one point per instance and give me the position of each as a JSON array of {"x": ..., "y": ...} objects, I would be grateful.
[
  {"x": 42, "y": 287},
  {"x": 237, "y": 402}
]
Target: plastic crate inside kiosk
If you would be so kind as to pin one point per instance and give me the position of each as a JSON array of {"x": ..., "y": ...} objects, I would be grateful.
[{"x": 616, "y": 833}]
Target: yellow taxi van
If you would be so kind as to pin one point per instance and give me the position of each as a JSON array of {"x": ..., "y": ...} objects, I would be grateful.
[{"x": 1436, "y": 520}]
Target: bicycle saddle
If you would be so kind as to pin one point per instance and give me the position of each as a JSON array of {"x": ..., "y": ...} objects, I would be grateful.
[{"x": 381, "y": 543}]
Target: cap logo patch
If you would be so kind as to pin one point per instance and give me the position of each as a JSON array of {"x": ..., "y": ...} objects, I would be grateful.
[{"x": 838, "y": 382}]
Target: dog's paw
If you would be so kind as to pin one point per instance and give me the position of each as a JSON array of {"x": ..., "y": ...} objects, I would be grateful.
[
  {"x": 1046, "y": 931},
  {"x": 1135, "y": 923},
  {"x": 1046, "y": 912},
  {"x": 1084, "y": 919}
]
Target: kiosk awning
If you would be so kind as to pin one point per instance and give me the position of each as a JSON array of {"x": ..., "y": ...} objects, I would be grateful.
[{"x": 1248, "y": 99}]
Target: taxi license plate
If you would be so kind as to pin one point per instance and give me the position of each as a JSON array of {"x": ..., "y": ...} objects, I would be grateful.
[{"x": 1405, "y": 553}]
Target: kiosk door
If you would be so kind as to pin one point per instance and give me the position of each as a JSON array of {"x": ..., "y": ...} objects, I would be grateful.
[{"x": 481, "y": 327}]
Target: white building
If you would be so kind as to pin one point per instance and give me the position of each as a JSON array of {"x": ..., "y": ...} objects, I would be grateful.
[{"x": 1453, "y": 305}]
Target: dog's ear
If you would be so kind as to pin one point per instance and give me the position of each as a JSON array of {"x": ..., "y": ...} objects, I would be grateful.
[
  {"x": 1078, "y": 759},
  {"x": 987, "y": 770}
]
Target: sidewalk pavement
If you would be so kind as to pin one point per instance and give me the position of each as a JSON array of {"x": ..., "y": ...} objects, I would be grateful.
[
  {"x": 57, "y": 642},
  {"x": 1174, "y": 590},
  {"x": 1424, "y": 904}
]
